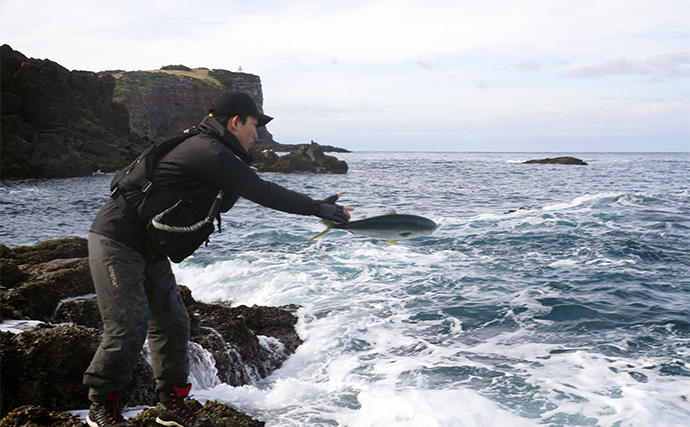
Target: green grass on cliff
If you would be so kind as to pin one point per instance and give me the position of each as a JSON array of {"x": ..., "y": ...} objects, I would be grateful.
[
  {"x": 129, "y": 83},
  {"x": 132, "y": 82}
]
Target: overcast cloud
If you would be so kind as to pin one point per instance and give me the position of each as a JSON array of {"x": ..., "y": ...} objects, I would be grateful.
[{"x": 535, "y": 75}]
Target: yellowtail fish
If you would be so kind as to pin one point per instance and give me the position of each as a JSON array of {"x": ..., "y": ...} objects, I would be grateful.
[{"x": 391, "y": 227}]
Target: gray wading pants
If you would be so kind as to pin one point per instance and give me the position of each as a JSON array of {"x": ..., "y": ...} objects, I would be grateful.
[{"x": 136, "y": 298}]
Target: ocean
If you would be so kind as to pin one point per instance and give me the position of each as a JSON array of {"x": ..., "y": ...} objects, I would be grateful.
[{"x": 572, "y": 310}]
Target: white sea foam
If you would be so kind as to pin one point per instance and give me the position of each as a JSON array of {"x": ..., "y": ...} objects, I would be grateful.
[
  {"x": 364, "y": 363},
  {"x": 582, "y": 200},
  {"x": 18, "y": 326},
  {"x": 203, "y": 372},
  {"x": 529, "y": 318}
]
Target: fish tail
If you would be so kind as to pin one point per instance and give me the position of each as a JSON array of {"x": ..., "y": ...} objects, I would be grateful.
[{"x": 328, "y": 224}]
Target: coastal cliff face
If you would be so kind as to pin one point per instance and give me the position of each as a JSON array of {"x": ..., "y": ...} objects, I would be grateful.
[
  {"x": 174, "y": 98},
  {"x": 60, "y": 123}
]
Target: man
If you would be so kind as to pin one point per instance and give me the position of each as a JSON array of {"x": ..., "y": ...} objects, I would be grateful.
[{"x": 137, "y": 293}]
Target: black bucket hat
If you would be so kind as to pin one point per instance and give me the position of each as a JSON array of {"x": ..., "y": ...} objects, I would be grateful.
[{"x": 237, "y": 104}]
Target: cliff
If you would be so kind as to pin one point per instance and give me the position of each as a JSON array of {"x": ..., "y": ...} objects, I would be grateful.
[
  {"x": 60, "y": 123},
  {"x": 174, "y": 98}
]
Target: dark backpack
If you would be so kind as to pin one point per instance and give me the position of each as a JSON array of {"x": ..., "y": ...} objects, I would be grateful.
[{"x": 178, "y": 230}]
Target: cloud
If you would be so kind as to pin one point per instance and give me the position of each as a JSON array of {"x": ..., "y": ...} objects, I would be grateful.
[
  {"x": 665, "y": 65},
  {"x": 529, "y": 65},
  {"x": 424, "y": 63}
]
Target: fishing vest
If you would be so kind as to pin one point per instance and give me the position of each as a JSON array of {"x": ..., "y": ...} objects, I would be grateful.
[{"x": 178, "y": 230}]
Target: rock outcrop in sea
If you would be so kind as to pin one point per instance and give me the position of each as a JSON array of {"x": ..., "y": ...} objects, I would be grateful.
[
  {"x": 566, "y": 160},
  {"x": 306, "y": 158},
  {"x": 49, "y": 286}
]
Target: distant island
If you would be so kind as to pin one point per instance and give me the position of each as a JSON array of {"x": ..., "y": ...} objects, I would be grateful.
[{"x": 567, "y": 160}]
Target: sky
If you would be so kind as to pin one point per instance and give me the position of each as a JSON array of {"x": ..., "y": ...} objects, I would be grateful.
[{"x": 406, "y": 75}]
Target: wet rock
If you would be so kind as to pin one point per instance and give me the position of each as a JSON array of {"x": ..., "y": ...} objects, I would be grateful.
[
  {"x": 567, "y": 160},
  {"x": 231, "y": 335},
  {"x": 522, "y": 208},
  {"x": 222, "y": 415},
  {"x": 48, "y": 250},
  {"x": 82, "y": 311},
  {"x": 225, "y": 416},
  {"x": 33, "y": 415},
  {"x": 44, "y": 366},
  {"x": 38, "y": 297},
  {"x": 11, "y": 274}
]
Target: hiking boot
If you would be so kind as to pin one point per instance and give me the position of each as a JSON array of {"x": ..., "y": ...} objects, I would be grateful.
[
  {"x": 107, "y": 414},
  {"x": 174, "y": 412}
]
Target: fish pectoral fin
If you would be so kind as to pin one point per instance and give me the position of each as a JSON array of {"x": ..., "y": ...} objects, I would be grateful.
[
  {"x": 321, "y": 234},
  {"x": 328, "y": 224}
]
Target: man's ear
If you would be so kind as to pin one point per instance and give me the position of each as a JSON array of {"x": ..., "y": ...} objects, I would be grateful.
[{"x": 232, "y": 123}]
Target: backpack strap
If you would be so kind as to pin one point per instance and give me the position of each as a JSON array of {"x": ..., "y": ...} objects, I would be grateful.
[{"x": 138, "y": 173}]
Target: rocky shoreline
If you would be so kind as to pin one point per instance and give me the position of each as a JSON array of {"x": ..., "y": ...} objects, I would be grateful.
[{"x": 49, "y": 286}]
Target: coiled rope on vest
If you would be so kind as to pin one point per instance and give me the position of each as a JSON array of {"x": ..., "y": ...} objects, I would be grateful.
[{"x": 215, "y": 208}]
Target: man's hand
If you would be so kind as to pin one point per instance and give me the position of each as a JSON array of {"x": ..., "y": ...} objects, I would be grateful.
[{"x": 336, "y": 213}]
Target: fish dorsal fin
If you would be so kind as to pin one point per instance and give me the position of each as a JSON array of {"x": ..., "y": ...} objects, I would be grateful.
[{"x": 392, "y": 212}]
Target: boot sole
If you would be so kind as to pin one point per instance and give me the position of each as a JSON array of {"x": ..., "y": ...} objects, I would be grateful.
[
  {"x": 92, "y": 423},
  {"x": 165, "y": 423}
]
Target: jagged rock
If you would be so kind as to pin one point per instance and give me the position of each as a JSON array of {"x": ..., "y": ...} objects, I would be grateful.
[
  {"x": 272, "y": 321},
  {"x": 263, "y": 145},
  {"x": 567, "y": 160},
  {"x": 222, "y": 415},
  {"x": 82, "y": 312},
  {"x": 75, "y": 247},
  {"x": 11, "y": 274},
  {"x": 522, "y": 208},
  {"x": 60, "y": 123},
  {"x": 33, "y": 415},
  {"x": 38, "y": 297},
  {"x": 44, "y": 366},
  {"x": 308, "y": 158},
  {"x": 230, "y": 333}
]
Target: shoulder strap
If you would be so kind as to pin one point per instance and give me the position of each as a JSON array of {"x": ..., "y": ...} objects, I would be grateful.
[{"x": 138, "y": 174}]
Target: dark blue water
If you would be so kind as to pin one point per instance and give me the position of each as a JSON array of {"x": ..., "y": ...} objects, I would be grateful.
[{"x": 571, "y": 311}]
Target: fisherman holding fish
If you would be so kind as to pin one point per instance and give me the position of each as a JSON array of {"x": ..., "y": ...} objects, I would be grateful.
[{"x": 135, "y": 233}]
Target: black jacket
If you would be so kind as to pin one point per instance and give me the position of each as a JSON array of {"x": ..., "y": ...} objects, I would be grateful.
[{"x": 200, "y": 166}]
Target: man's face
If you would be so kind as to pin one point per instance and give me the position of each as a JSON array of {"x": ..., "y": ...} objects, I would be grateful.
[{"x": 244, "y": 132}]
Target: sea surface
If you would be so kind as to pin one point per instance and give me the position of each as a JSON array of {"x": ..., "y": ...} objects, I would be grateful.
[{"x": 573, "y": 310}]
